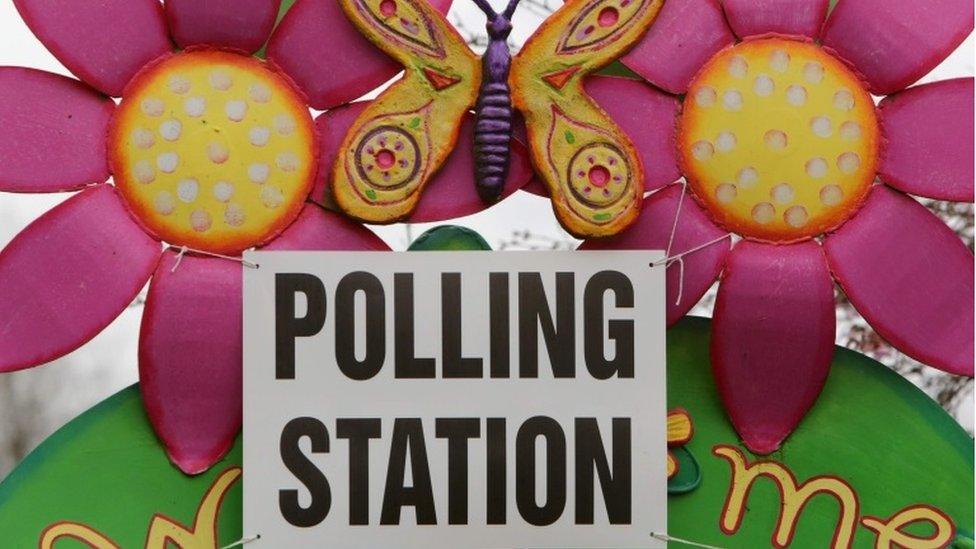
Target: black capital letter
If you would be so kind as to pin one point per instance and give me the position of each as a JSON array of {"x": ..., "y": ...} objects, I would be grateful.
[
  {"x": 287, "y": 326},
  {"x": 525, "y": 472},
  {"x": 359, "y": 432},
  {"x": 408, "y": 435},
  {"x": 496, "y": 478},
  {"x": 560, "y": 337},
  {"x": 590, "y": 456},
  {"x": 454, "y": 363},
  {"x": 500, "y": 338},
  {"x": 375, "y": 326},
  {"x": 621, "y": 332},
  {"x": 407, "y": 364},
  {"x": 457, "y": 431},
  {"x": 305, "y": 471}
]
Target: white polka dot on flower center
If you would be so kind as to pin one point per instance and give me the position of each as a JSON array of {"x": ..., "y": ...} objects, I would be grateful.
[
  {"x": 738, "y": 67},
  {"x": 792, "y": 148},
  {"x": 213, "y": 150},
  {"x": 144, "y": 171},
  {"x": 703, "y": 150},
  {"x": 168, "y": 162},
  {"x": 706, "y": 97},
  {"x": 732, "y": 100},
  {"x": 782, "y": 193},
  {"x": 816, "y": 168},
  {"x": 234, "y": 215},
  {"x": 143, "y": 138},
  {"x": 287, "y": 161},
  {"x": 271, "y": 197},
  {"x": 187, "y": 190},
  {"x": 220, "y": 80},
  {"x": 223, "y": 191},
  {"x": 776, "y": 140},
  {"x": 850, "y": 130},
  {"x": 821, "y": 126},
  {"x": 258, "y": 173},
  {"x": 725, "y": 193},
  {"x": 259, "y": 93},
  {"x": 796, "y": 95},
  {"x": 259, "y": 136},
  {"x": 763, "y": 213},
  {"x": 764, "y": 86},
  {"x": 179, "y": 84},
  {"x": 153, "y": 107},
  {"x": 848, "y": 162},
  {"x": 747, "y": 177},
  {"x": 779, "y": 60},
  {"x": 171, "y": 129},
  {"x": 217, "y": 153},
  {"x": 831, "y": 195},
  {"x": 195, "y": 106},
  {"x": 725, "y": 142},
  {"x": 796, "y": 216},
  {"x": 844, "y": 100},
  {"x": 284, "y": 124},
  {"x": 236, "y": 110},
  {"x": 165, "y": 203},
  {"x": 813, "y": 72},
  {"x": 200, "y": 220}
]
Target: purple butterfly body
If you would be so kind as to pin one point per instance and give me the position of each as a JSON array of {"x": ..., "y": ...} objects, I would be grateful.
[{"x": 493, "y": 112}]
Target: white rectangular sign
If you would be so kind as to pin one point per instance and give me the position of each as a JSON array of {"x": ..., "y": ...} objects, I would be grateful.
[{"x": 464, "y": 400}]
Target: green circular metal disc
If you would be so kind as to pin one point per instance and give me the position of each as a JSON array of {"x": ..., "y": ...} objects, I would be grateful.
[{"x": 449, "y": 238}]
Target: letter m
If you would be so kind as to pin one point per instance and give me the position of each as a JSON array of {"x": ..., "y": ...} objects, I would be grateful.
[{"x": 794, "y": 498}]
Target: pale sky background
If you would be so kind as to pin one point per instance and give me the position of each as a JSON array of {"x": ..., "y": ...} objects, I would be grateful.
[{"x": 70, "y": 385}]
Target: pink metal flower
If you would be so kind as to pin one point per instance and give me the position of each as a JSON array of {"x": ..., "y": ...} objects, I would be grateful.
[
  {"x": 766, "y": 110},
  {"x": 183, "y": 149}
]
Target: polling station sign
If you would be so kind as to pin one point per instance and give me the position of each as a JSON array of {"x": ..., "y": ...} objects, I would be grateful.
[{"x": 465, "y": 400}]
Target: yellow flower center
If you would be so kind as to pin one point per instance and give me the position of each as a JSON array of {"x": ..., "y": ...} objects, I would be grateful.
[
  {"x": 213, "y": 150},
  {"x": 778, "y": 139}
]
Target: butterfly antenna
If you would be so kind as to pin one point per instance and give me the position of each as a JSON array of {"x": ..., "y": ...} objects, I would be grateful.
[
  {"x": 510, "y": 9},
  {"x": 484, "y": 6}
]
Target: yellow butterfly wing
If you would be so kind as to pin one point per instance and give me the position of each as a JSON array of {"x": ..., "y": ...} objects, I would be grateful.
[
  {"x": 404, "y": 136},
  {"x": 589, "y": 165}
]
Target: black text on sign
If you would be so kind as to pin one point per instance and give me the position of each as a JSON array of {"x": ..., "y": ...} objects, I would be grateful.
[{"x": 455, "y": 399}]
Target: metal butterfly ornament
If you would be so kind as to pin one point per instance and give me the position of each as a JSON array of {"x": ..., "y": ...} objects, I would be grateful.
[{"x": 391, "y": 151}]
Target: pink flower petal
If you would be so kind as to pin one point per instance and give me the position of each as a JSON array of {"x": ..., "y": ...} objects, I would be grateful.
[
  {"x": 648, "y": 117},
  {"x": 318, "y": 229},
  {"x": 910, "y": 276},
  {"x": 52, "y": 132},
  {"x": 652, "y": 232},
  {"x": 450, "y": 194},
  {"x": 104, "y": 43},
  {"x": 327, "y": 57},
  {"x": 893, "y": 44},
  {"x": 791, "y": 17},
  {"x": 536, "y": 187},
  {"x": 68, "y": 275},
  {"x": 190, "y": 365},
  {"x": 772, "y": 338},
  {"x": 240, "y": 24},
  {"x": 930, "y": 140},
  {"x": 683, "y": 37},
  {"x": 332, "y": 127}
]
